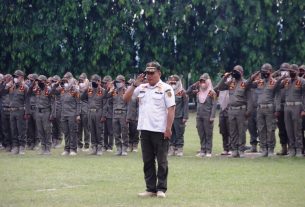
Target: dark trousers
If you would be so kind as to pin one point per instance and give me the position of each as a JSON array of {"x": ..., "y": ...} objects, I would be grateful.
[
  {"x": 282, "y": 129},
  {"x": 252, "y": 127},
  {"x": 96, "y": 128},
  {"x": 238, "y": 123},
  {"x": 69, "y": 128},
  {"x": 293, "y": 124},
  {"x": 154, "y": 146},
  {"x": 31, "y": 132},
  {"x": 178, "y": 128},
  {"x": 266, "y": 124},
  {"x": 120, "y": 132},
  {"x": 83, "y": 127},
  {"x": 108, "y": 133},
  {"x": 44, "y": 128},
  {"x": 56, "y": 129},
  {"x": 6, "y": 129},
  {"x": 205, "y": 132},
  {"x": 1, "y": 134},
  {"x": 18, "y": 128},
  {"x": 224, "y": 130},
  {"x": 133, "y": 132}
]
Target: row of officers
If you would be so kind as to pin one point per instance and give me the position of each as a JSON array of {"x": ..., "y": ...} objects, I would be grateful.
[{"x": 92, "y": 113}]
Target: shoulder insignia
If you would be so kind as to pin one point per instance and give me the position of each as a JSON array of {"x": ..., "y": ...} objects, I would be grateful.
[
  {"x": 169, "y": 93},
  {"x": 242, "y": 85},
  {"x": 298, "y": 84},
  {"x": 232, "y": 85},
  {"x": 260, "y": 83},
  {"x": 21, "y": 88},
  {"x": 46, "y": 92}
]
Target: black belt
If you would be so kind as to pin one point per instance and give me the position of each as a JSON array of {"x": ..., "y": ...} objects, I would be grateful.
[
  {"x": 16, "y": 109},
  {"x": 42, "y": 110},
  {"x": 238, "y": 107}
]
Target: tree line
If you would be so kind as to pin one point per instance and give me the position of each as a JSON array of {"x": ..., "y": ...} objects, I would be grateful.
[{"x": 188, "y": 37}]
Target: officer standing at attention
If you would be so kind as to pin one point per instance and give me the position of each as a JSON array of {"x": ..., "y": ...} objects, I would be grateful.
[
  {"x": 43, "y": 112},
  {"x": 95, "y": 95},
  {"x": 206, "y": 109},
  {"x": 132, "y": 120},
  {"x": 5, "y": 114},
  {"x": 70, "y": 112},
  {"x": 120, "y": 126},
  {"x": 156, "y": 116},
  {"x": 83, "y": 124},
  {"x": 294, "y": 110},
  {"x": 239, "y": 108},
  {"x": 107, "y": 118},
  {"x": 181, "y": 117},
  {"x": 19, "y": 109}
]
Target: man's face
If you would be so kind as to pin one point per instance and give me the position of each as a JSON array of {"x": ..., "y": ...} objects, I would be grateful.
[{"x": 153, "y": 77}]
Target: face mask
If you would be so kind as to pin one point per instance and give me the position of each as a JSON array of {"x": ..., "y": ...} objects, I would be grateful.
[
  {"x": 265, "y": 75},
  {"x": 174, "y": 86},
  {"x": 94, "y": 84},
  {"x": 203, "y": 86},
  {"x": 16, "y": 80},
  {"x": 41, "y": 85},
  {"x": 236, "y": 75},
  {"x": 292, "y": 75},
  {"x": 284, "y": 73},
  {"x": 119, "y": 85},
  {"x": 66, "y": 86},
  {"x": 301, "y": 74}
]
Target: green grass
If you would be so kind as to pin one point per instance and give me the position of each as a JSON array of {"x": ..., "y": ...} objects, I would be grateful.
[{"x": 34, "y": 180}]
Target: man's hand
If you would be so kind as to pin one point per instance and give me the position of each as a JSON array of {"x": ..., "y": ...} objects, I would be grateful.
[
  {"x": 167, "y": 133},
  {"x": 139, "y": 80},
  {"x": 78, "y": 119}
]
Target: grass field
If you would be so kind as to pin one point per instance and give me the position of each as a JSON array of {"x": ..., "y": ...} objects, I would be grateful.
[{"x": 34, "y": 180}]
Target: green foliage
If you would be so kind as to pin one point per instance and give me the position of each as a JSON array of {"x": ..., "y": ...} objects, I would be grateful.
[{"x": 119, "y": 36}]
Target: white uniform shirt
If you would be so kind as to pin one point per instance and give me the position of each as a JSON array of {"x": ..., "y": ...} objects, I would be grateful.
[{"x": 153, "y": 104}]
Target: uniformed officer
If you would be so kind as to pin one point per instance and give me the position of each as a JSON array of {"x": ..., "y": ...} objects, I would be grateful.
[
  {"x": 206, "y": 109},
  {"x": 223, "y": 100},
  {"x": 301, "y": 75},
  {"x": 156, "y": 116},
  {"x": 95, "y": 95},
  {"x": 107, "y": 119},
  {"x": 70, "y": 112},
  {"x": 43, "y": 102},
  {"x": 32, "y": 138},
  {"x": 239, "y": 108},
  {"x": 1, "y": 134},
  {"x": 279, "y": 108},
  {"x": 5, "y": 113},
  {"x": 83, "y": 124},
  {"x": 120, "y": 127},
  {"x": 132, "y": 120},
  {"x": 294, "y": 110},
  {"x": 19, "y": 110},
  {"x": 56, "y": 113},
  {"x": 266, "y": 120},
  {"x": 176, "y": 143}
]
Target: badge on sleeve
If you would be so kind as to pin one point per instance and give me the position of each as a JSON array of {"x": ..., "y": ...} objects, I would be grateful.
[{"x": 168, "y": 92}]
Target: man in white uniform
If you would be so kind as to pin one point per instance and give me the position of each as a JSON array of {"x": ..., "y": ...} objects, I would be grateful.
[{"x": 156, "y": 114}]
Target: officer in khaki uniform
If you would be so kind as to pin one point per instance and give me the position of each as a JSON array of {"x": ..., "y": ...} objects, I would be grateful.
[
  {"x": 132, "y": 120},
  {"x": 206, "y": 109},
  {"x": 70, "y": 112},
  {"x": 5, "y": 113},
  {"x": 56, "y": 113},
  {"x": 32, "y": 138},
  {"x": 279, "y": 108},
  {"x": 95, "y": 95},
  {"x": 19, "y": 110},
  {"x": 294, "y": 110},
  {"x": 240, "y": 107},
  {"x": 181, "y": 117},
  {"x": 120, "y": 127},
  {"x": 43, "y": 112},
  {"x": 266, "y": 120},
  {"x": 107, "y": 119},
  {"x": 83, "y": 124}
]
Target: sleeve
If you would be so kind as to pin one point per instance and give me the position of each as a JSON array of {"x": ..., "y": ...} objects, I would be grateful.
[
  {"x": 135, "y": 92},
  {"x": 249, "y": 101},
  {"x": 214, "y": 105},
  {"x": 303, "y": 94},
  {"x": 277, "y": 100},
  {"x": 78, "y": 104},
  {"x": 27, "y": 101},
  {"x": 221, "y": 86},
  {"x": 169, "y": 97},
  {"x": 186, "y": 106}
]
